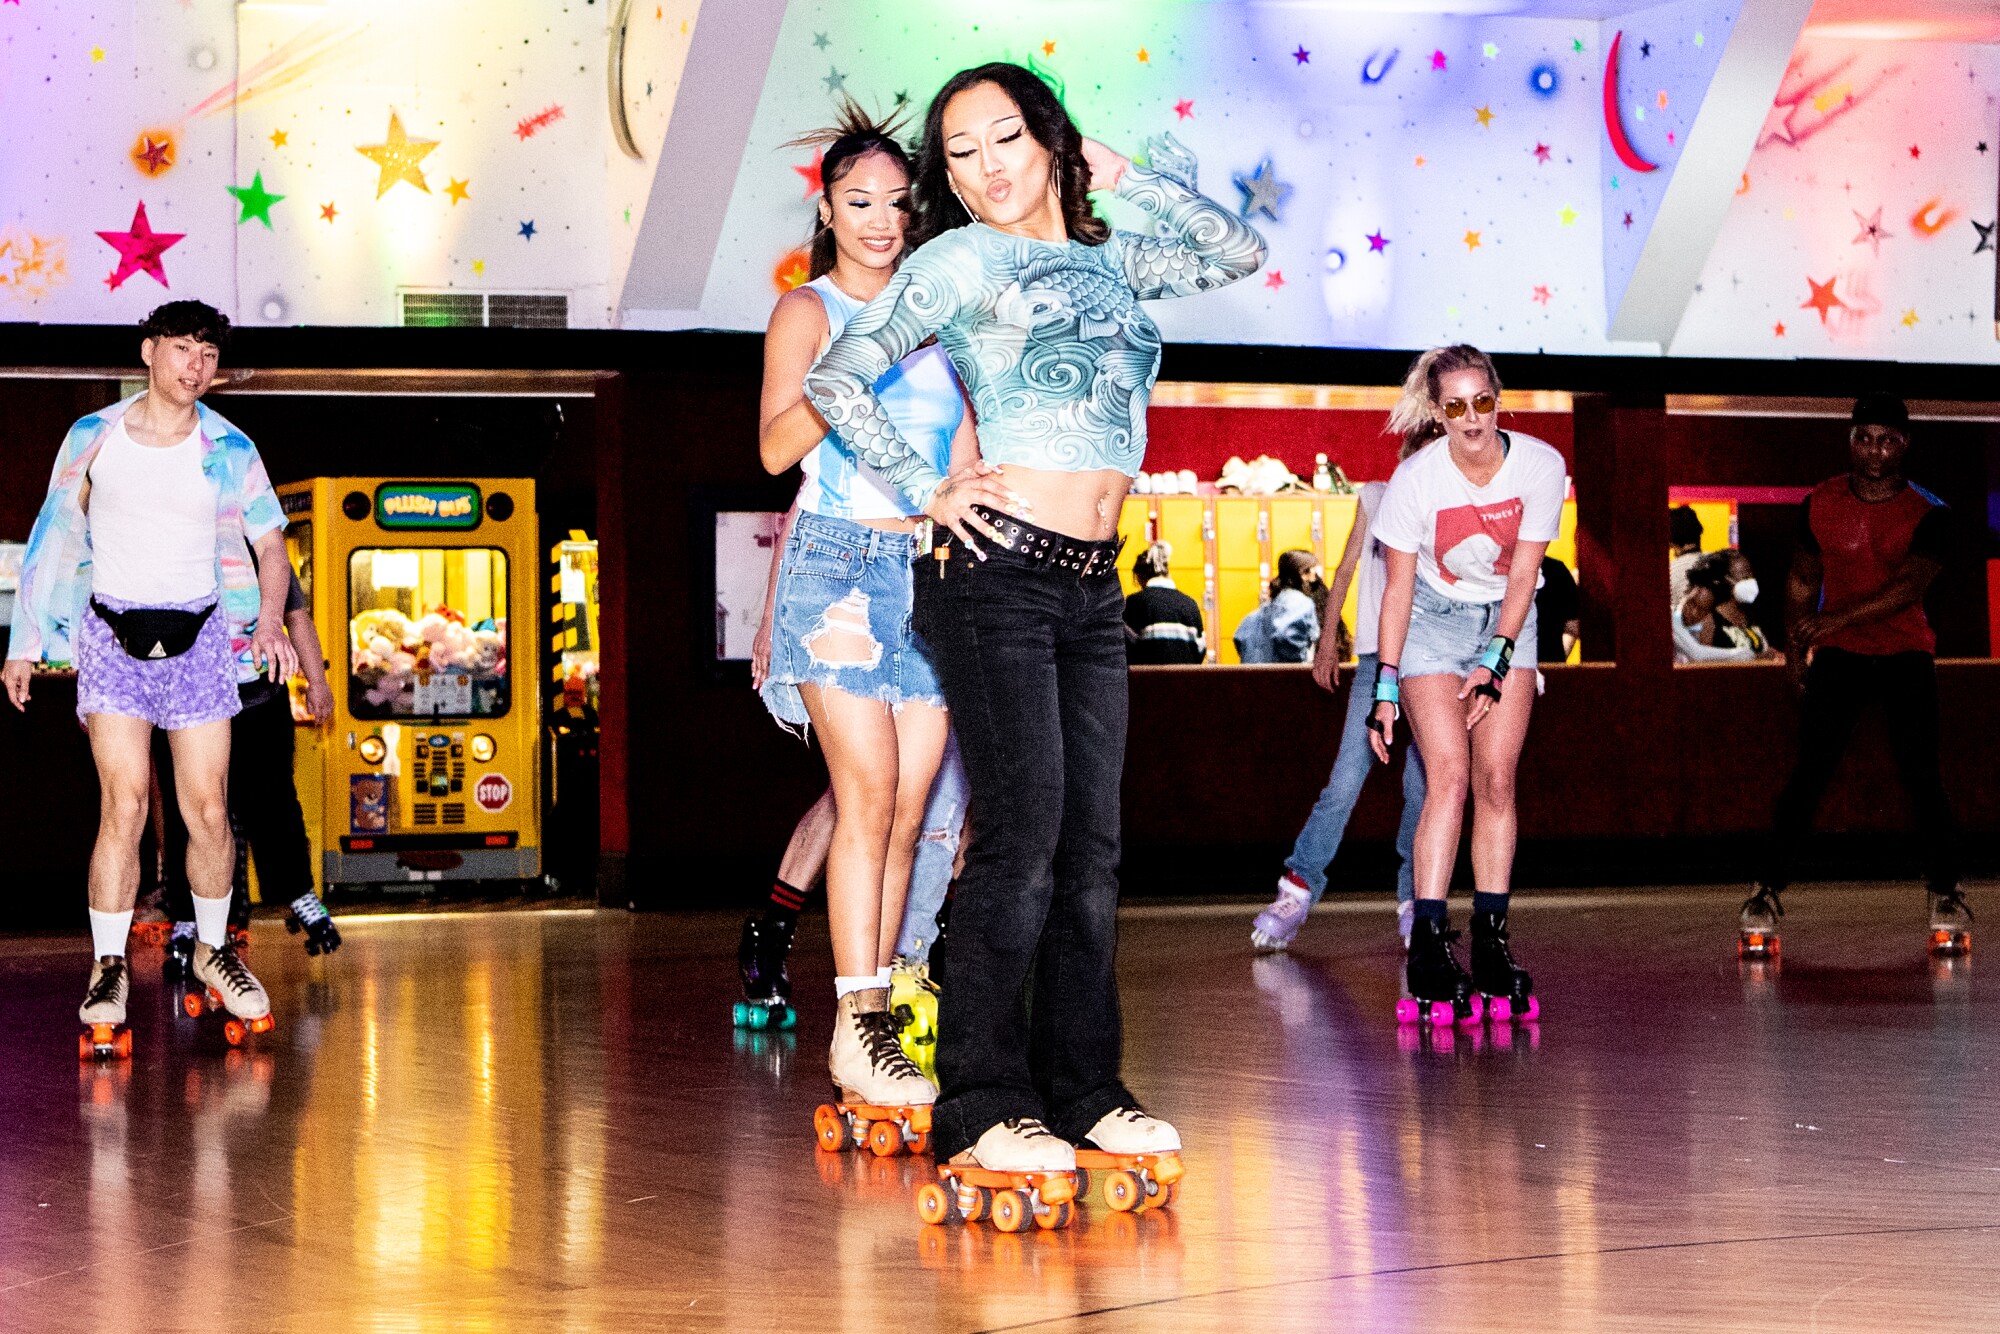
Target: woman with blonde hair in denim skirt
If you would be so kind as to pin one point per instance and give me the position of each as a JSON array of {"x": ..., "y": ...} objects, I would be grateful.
[
  {"x": 844, "y": 660},
  {"x": 1465, "y": 521}
]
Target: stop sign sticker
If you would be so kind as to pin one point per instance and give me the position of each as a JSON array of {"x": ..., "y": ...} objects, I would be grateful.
[{"x": 493, "y": 793}]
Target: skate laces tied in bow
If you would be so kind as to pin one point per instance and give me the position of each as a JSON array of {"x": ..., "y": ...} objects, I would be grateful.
[
  {"x": 885, "y": 1051},
  {"x": 233, "y": 972},
  {"x": 107, "y": 984}
]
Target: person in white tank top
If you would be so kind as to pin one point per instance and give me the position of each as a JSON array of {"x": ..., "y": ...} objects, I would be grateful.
[
  {"x": 841, "y": 655},
  {"x": 152, "y": 521}
]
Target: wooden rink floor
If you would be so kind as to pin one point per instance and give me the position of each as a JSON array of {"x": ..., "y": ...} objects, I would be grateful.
[{"x": 543, "y": 1120}]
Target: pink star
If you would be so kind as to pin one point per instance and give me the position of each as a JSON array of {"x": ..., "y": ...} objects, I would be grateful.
[
  {"x": 139, "y": 248},
  {"x": 1915, "y": 151},
  {"x": 1184, "y": 108},
  {"x": 1541, "y": 296},
  {"x": 1377, "y": 243},
  {"x": 1437, "y": 60},
  {"x": 1274, "y": 280},
  {"x": 1302, "y": 56},
  {"x": 1541, "y": 152}
]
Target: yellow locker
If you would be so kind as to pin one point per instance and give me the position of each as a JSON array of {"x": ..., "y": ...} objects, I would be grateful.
[
  {"x": 1241, "y": 570},
  {"x": 1135, "y": 527},
  {"x": 1182, "y": 526},
  {"x": 1338, "y": 521}
]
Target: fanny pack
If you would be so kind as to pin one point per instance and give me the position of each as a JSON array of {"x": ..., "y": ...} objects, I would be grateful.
[{"x": 154, "y": 632}]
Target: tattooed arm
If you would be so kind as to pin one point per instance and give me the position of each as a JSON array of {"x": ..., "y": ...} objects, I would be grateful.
[{"x": 1209, "y": 247}]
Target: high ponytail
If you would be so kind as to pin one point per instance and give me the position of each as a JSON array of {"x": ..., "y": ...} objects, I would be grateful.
[
  {"x": 1416, "y": 416},
  {"x": 853, "y": 135}
]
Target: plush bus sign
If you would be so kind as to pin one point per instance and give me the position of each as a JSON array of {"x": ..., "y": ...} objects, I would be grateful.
[{"x": 446, "y": 505}]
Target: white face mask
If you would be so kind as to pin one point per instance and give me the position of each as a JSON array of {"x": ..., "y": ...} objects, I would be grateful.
[{"x": 1745, "y": 591}]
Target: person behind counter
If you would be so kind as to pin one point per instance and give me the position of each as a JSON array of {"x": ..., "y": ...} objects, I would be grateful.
[
  {"x": 1712, "y": 625},
  {"x": 1163, "y": 625},
  {"x": 140, "y": 570},
  {"x": 1286, "y": 627},
  {"x": 1684, "y": 536}
]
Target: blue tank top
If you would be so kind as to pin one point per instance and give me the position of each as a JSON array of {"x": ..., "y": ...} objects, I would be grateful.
[{"x": 919, "y": 393}]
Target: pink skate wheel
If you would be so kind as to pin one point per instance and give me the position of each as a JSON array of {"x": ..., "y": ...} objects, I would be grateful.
[
  {"x": 1440, "y": 1014},
  {"x": 1501, "y": 1010},
  {"x": 1477, "y": 1010},
  {"x": 1406, "y": 1012},
  {"x": 1534, "y": 1010}
]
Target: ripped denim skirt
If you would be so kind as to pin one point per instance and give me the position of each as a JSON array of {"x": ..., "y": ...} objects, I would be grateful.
[{"x": 842, "y": 619}]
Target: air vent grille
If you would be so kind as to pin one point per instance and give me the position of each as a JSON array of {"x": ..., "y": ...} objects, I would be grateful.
[{"x": 475, "y": 310}]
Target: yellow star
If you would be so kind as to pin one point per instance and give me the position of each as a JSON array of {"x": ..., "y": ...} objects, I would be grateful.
[
  {"x": 457, "y": 192},
  {"x": 1910, "y": 319},
  {"x": 96, "y": 54},
  {"x": 479, "y": 267},
  {"x": 398, "y": 158},
  {"x": 1485, "y": 116},
  {"x": 1569, "y": 216},
  {"x": 1144, "y": 59},
  {"x": 279, "y": 138},
  {"x": 1472, "y": 240},
  {"x": 1420, "y": 161}
]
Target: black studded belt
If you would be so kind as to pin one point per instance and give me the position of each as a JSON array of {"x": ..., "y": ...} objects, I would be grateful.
[{"x": 1043, "y": 547}]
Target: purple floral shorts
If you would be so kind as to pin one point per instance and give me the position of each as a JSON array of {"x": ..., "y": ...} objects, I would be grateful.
[{"x": 197, "y": 687}]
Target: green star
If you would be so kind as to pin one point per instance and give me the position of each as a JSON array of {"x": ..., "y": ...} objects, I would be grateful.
[
  {"x": 1576, "y": 45},
  {"x": 256, "y": 201}
]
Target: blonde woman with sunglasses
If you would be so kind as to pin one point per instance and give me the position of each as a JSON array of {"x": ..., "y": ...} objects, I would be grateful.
[{"x": 1465, "y": 522}]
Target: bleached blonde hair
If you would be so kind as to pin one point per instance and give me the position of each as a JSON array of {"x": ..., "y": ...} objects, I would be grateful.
[{"x": 1418, "y": 413}]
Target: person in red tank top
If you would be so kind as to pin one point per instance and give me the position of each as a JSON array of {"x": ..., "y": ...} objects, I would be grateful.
[{"x": 1870, "y": 543}]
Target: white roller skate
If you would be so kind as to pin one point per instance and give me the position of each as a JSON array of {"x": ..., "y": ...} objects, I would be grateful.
[
  {"x": 103, "y": 1011},
  {"x": 1951, "y": 922},
  {"x": 1134, "y": 1158},
  {"x": 885, "y": 1100},
  {"x": 221, "y": 982},
  {"x": 1017, "y": 1172}
]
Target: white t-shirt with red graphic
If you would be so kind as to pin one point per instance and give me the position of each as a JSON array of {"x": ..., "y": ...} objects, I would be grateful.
[{"x": 1464, "y": 535}]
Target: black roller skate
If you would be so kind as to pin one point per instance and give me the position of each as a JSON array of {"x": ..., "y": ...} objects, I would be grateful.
[
  {"x": 1951, "y": 922},
  {"x": 1506, "y": 987},
  {"x": 1440, "y": 991},
  {"x": 760, "y": 958},
  {"x": 1757, "y": 927},
  {"x": 177, "y": 957},
  {"x": 307, "y": 914}
]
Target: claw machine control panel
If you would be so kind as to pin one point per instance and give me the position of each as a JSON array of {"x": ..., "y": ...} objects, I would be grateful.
[{"x": 431, "y": 767}]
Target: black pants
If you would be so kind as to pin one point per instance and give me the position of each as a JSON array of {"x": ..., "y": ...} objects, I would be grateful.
[
  {"x": 1839, "y": 685},
  {"x": 263, "y": 806},
  {"x": 1032, "y": 661}
]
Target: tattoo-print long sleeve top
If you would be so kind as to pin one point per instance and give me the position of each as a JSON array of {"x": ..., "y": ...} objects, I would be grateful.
[{"x": 1047, "y": 337}]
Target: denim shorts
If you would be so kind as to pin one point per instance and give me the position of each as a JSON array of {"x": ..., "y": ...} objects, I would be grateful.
[
  {"x": 842, "y": 619},
  {"x": 187, "y": 690},
  {"x": 1447, "y": 636}
]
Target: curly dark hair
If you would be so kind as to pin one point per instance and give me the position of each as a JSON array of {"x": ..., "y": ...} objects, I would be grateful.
[
  {"x": 187, "y": 319},
  {"x": 1712, "y": 573},
  {"x": 853, "y": 135},
  {"x": 938, "y": 210}
]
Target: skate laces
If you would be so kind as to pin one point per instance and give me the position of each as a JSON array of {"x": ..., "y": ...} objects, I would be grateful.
[
  {"x": 885, "y": 1052},
  {"x": 105, "y": 988},
  {"x": 309, "y": 910},
  {"x": 1027, "y": 1127},
  {"x": 232, "y": 970}
]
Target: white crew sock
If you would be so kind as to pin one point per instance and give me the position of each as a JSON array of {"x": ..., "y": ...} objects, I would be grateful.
[
  {"x": 860, "y": 982},
  {"x": 885, "y": 976},
  {"x": 108, "y": 931},
  {"x": 211, "y": 920}
]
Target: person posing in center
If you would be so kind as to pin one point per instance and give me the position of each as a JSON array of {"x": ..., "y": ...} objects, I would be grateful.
[
  {"x": 139, "y": 569},
  {"x": 1304, "y": 882},
  {"x": 1037, "y": 302},
  {"x": 843, "y": 657},
  {"x": 1870, "y": 544},
  {"x": 1466, "y": 520}
]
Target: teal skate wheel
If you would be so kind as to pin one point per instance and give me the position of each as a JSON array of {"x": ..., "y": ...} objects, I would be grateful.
[
  {"x": 739, "y": 1015},
  {"x": 791, "y": 1019},
  {"x": 760, "y": 1018}
]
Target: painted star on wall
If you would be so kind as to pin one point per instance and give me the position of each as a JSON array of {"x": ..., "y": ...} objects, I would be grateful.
[
  {"x": 328, "y": 212},
  {"x": 1145, "y": 56},
  {"x": 1438, "y": 60},
  {"x": 1262, "y": 191},
  {"x": 1274, "y": 279},
  {"x": 1540, "y": 296},
  {"x": 821, "y": 41},
  {"x": 835, "y": 81},
  {"x": 457, "y": 191},
  {"x": 1484, "y": 115},
  {"x": 1910, "y": 318},
  {"x": 279, "y": 138},
  {"x": 1184, "y": 108},
  {"x": 1985, "y": 230},
  {"x": 139, "y": 249},
  {"x": 528, "y": 230},
  {"x": 1646, "y": 50},
  {"x": 1779, "y": 330},
  {"x": 1568, "y": 216},
  {"x": 1048, "y": 48},
  {"x": 398, "y": 157},
  {"x": 811, "y": 173},
  {"x": 1302, "y": 56},
  {"x": 153, "y": 155},
  {"x": 1541, "y": 152},
  {"x": 1377, "y": 243},
  {"x": 1490, "y": 51},
  {"x": 1472, "y": 240},
  {"x": 255, "y": 199},
  {"x": 1872, "y": 232},
  {"x": 1823, "y": 299}
]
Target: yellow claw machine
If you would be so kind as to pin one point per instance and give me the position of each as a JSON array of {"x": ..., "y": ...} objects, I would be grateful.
[{"x": 431, "y": 768}]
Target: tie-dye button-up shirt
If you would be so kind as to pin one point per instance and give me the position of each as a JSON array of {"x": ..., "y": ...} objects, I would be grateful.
[{"x": 55, "y": 574}]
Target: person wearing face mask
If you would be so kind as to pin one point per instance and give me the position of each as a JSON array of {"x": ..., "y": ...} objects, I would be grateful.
[
  {"x": 1286, "y": 627},
  {"x": 1870, "y": 543},
  {"x": 842, "y": 657},
  {"x": 1036, "y": 300},
  {"x": 1467, "y": 520},
  {"x": 1711, "y": 625}
]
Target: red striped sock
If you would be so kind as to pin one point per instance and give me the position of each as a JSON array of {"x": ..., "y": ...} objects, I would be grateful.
[{"x": 785, "y": 899}]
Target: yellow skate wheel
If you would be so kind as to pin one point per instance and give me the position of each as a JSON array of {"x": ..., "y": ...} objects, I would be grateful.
[
  {"x": 831, "y": 1127},
  {"x": 1055, "y": 1216},
  {"x": 935, "y": 1204},
  {"x": 1122, "y": 1191},
  {"x": 885, "y": 1139},
  {"x": 1011, "y": 1210}
]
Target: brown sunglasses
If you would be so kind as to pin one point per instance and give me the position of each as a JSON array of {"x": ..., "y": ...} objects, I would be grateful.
[{"x": 1454, "y": 408}]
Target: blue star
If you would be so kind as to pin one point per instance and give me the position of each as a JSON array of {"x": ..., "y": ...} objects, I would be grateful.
[
  {"x": 835, "y": 81},
  {"x": 528, "y": 231},
  {"x": 821, "y": 41},
  {"x": 1262, "y": 191}
]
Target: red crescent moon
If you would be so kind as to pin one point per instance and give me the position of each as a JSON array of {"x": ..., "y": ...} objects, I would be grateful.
[{"x": 1614, "y": 124}]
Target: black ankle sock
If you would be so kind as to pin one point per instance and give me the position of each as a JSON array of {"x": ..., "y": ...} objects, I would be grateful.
[
  {"x": 1431, "y": 910},
  {"x": 784, "y": 905},
  {"x": 1493, "y": 903}
]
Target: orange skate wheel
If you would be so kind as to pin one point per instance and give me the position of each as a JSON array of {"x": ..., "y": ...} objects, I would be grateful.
[
  {"x": 263, "y": 1025},
  {"x": 1168, "y": 1194},
  {"x": 1082, "y": 1183},
  {"x": 831, "y": 1127},
  {"x": 982, "y": 1205},
  {"x": 191, "y": 1002},
  {"x": 232, "y": 1030},
  {"x": 1011, "y": 1210},
  {"x": 1055, "y": 1216},
  {"x": 85, "y": 1048},
  {"x": 1122, "y": 1191},
  {"x": 935, "y": 1204},
  {"x": 885, "y": 1139},
  {"x": 122, "y": 1044},
  {"x": 920, "y": 1143}
]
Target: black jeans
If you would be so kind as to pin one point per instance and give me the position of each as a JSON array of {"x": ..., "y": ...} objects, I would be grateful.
[
  {"x": 263, "y": 806},
  {"x": 1839, "y": 685},
  {"x": 1032, "y": 661}
]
